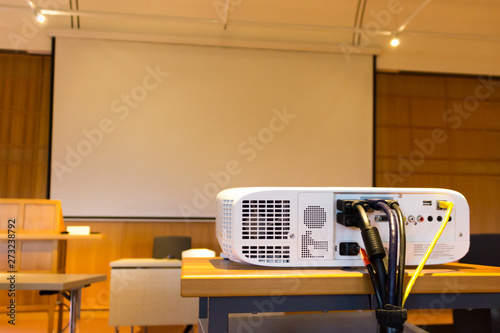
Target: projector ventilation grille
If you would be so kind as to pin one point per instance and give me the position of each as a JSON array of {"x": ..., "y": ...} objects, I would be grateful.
[
  {"x": 224, "y": 214},
  {"x": 314, "y": 242},
  {"x": 268, "y": 254},
  {"x": 224, "y": 230},
  {"x": 265, "y": 219},
  {"x": 315, "y": 217}
]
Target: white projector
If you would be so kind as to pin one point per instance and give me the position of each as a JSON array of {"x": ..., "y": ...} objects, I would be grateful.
[{"x": 301, "y": 226}]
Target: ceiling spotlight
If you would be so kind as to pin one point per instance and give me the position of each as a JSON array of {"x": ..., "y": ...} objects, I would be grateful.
[
  {"x": 395, "y": 41},
  {"x": 39, "y": 17}
]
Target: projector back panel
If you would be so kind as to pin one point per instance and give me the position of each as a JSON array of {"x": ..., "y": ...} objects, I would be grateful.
[{"x": 297, "y": 227}]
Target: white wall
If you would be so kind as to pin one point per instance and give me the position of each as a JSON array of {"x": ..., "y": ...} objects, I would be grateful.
[{"x": 20, "y": 32}]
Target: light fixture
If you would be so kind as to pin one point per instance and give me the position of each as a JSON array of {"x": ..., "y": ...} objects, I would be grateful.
[
  {"x": 40, "y": 18},
  {"x": 395, "y": 40}
]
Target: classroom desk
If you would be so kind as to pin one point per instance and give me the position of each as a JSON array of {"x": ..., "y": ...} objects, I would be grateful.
[
  {"x": 49, "y": 236},
  {"x": 228, "y": 287},
  {"x": 58, "y": 282}
]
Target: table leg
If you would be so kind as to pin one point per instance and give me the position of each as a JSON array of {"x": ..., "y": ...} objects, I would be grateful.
[
  {"x": 218, "y": 315},
  {"x": 74, "y": 310},
  {"x": 203, "y": 308},
  {"x": 60, "y": 311},
  {"x": 219, "y": 308},
  {"x": 495, "y": 320}
]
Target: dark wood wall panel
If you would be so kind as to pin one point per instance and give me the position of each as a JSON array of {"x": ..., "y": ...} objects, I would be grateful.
[
  {"x": 441, "y": 131},
  {"x": 24, "y": 125}
]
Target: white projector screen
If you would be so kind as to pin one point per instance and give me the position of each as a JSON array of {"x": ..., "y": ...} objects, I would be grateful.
[{"x": 149, "y": 130}]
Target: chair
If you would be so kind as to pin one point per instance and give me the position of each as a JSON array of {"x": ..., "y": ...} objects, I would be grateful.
[
  {"x": 170, "y": 246},
  {"x": 484, "y": 250},
  {"x": 39, "y": 221}
]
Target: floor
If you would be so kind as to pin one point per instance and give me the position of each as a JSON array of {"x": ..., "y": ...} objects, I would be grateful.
[
  {"x": 90, "y": 321},
  {"x": 97, "y": 322}
]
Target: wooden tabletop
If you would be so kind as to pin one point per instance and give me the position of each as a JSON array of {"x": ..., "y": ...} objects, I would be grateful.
[
  {"x": 145, "y": 262},
  {"x": 28, "y": 281},
  {"x": 211, "y": 277},
  {"x": 23, "y": 235}
]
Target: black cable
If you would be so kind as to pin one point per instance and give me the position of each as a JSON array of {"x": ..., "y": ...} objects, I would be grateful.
[
  {"x": 373, "y": 278},
  {"x": 402, "y": 254},
  {"x": 379, "y": 266},
  {"x": 374, "y": 248},
  {"x": 364, "y": 217},
  {"x": 393, "y": 253},
  {"x": 390, "y": 317},
  {"x": 376, "y": 288}
]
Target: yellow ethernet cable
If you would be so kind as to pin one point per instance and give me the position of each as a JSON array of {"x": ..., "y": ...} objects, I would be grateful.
[{"x": 442, "y": 204}]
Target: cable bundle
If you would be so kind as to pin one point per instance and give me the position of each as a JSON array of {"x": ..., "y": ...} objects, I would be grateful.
[{"x": 388, "y": 285}]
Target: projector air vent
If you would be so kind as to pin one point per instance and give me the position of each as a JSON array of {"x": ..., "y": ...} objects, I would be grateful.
[
  {"x": 265, "y": 219},
  {"x": 314, "y": 240},
  {"x": 224, "y": 226},
  {"x": 315, "y": 217},
  {"x": 268, "y": 254},
  {"x": 225, "y": 211}
]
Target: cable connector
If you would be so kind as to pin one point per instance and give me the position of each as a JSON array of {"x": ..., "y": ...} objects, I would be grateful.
[
  {"x": 348, "y": 220},
  {"x": 348, "y": 206},
  {"x": 348, "y": 248},
  {"x": 374, "y": 203},
  {"x": 441, "y": 204}
]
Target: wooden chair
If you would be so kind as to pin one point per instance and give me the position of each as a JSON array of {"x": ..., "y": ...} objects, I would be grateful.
[{"x": 38, "y": 224}]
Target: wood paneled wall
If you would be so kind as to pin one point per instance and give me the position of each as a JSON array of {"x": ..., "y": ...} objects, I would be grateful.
[
  {"x": 127, "y": 240},
  {"x": 441, "y": 131},
  {"x": 24, "y": 125},
  {"x": 24, "y": 136}
]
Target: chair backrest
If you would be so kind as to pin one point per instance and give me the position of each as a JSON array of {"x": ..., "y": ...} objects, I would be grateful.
[
  {"x": 198, "y": 253},
  {"x": 32, "y": 217},
  {"x": 170, "y": 246},
  {"x": 484, "y": 250}
]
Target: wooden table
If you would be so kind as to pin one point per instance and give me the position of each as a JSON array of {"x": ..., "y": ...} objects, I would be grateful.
[
  {"x": 54, "y": 282},
  {"x": 49, "y": 236},
  {"x": 229, "y": 287}
]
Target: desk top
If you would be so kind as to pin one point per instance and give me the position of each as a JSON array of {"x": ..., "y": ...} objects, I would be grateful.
[
  {"x": 145, "y": 262},
  {"x": 23, "y": 235},
  {"x": 27, "y": 281},
  {"x": 210, "y": 277}
]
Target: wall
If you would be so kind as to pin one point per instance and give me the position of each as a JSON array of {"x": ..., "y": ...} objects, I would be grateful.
[
  {"x": 463, "y": 155},
  {"x": 24, "y": 125},
  {"x": 127, "y": 240},
  {"x": 24, "y": 135},
  {"x": 441, "y": 131}
]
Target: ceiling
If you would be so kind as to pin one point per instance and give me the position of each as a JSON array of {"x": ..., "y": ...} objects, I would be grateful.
[{"x": 468, "y": 31}]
